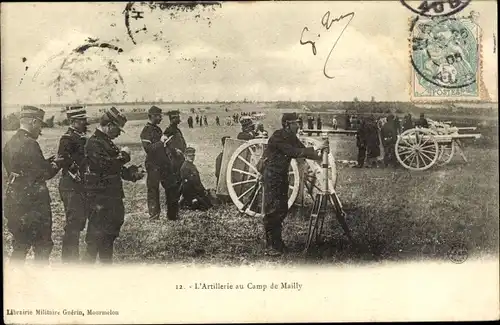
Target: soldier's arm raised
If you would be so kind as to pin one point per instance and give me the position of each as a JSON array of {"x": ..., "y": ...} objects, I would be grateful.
[{"x": 294, "y": 149}]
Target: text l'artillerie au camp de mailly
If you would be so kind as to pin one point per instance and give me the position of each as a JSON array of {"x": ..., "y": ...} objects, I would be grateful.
[{"x": 240, "y": 286}]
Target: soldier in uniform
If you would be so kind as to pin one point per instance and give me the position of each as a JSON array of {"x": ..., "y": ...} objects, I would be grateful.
[
  {"x": 422, "y": 121},
  {"x": 247, "y": 130},
  {"x": 361, "y": 143},
  {"x": 27, "y": 202},
  {"x": 151, "y": 138},
  {"x": 319, "y": 124},
  {"x": 194, "y": 194},
  {"x": 72, "y": 153},
  {"x": 389, "y": 135},
  {"x": 190, "y": 122},
  {"x": 175, "y": 152},
  {"x": 282, "y": 146},
  {"x": 217, "y": 121},
  {"x": 103, "y": 183}
]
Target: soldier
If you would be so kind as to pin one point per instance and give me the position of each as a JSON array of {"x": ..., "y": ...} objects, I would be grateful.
[
  {"x": 310, "y": 122},
  {"x": 407, "y": 122},
  {"x": 389, "y": 136},
  {"x": 361, "y": 144},
  {"x": 247, "y": 129},
  {"x": 334, "y": 123},
  {"x": 301, "y": 123},
  {"x": 103, "y": 183},
  {"x": 194, "y": 194},
  {"x": 217, "y": 121},
  {"x": 190, "y": 122},
  {"x": 27, "y": 201},
  {"x": 218, "y": 160},
  {"x": 205, "y": 120},
  {"x": 175, "y": 152},
  {"x": 397, "y": 124},
  {"x": 151, "y": 138},
  {"x": 422, "y": 121},
  {"x": 197, "y": 119},
  {"x": 319, "y": 124},
  {"x": 71, "y": 188},
  {"x": 372, "y": 141},
  {"x": 260, "y": 132},
  {"x": 282, "y": 146}
]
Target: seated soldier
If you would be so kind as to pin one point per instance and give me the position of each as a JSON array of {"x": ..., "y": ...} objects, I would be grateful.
[
  {"x": 194, "y": 194},
  {"x": 260, "y": 132},
  {"x": 247, "y": 129}
]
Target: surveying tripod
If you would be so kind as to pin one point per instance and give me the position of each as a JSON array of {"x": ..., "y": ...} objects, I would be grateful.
[{"x": 321, "y": 200}]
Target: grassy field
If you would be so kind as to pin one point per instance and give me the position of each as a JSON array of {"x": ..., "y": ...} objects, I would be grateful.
[{"x": 393, "y": 213}]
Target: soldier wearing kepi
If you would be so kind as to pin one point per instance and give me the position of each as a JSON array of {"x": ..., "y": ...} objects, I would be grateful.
[
  {"x": 247, "y": 130},
  {"x": 151, "y": 138},
  {"x": 282, "y": 146},
  {"x": 174, "y": 150},
  {"x": 194, "y": 194},
  {"x": 72, "y": 153},
  {"x": 103, "y": 182},
  {"x": 27, "y": 202}
]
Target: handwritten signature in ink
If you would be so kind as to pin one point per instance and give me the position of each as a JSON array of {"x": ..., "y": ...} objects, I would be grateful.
[{"x": 327, "y": 23}]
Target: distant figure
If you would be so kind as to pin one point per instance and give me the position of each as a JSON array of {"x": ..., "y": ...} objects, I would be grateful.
[
  {"x": 397, "y": 124},
  {"x": 334, "y": 123},
  {"x": 347, "y": 122},
  {"x": 217, "y": 121},
  {"x": 197, "y": 119},
  {"x": 408, "y": 122},
  {"x": 301, "y": 122},
  {"x": 201, "y": 121},
  {"x": 190, "y": 122},
  {"x": 260, "y": 132},
  {"x": 319, "y": 125},
  {"x": 194, "y": 194},
  {"x": 205, "y": 120},
  {"x": 361, "y": 144},
  {"x": 372, "y": 141},
  {"x": 310, "y": 122},
  {"x": 422, "y": 121},
  {"x": 218, "y": 160}
]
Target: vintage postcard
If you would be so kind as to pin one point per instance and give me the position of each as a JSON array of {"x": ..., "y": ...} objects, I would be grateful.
[{"x": 250, "y": 161}]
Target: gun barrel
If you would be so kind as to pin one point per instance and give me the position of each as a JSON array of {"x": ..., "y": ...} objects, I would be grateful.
[{"x": 309, "y": 131}]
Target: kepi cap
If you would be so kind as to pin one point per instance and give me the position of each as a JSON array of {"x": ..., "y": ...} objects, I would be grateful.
[
  {"x": 154, "y": 110},
  {"x": 189, "y": 150},
  {"x": 33, "y": 112},
  {"x": 116, "y": 117},
  {"x": 173, "y": 113},
  {"x": 76, "y": 112},
  {"x": 289, "y": 118}
]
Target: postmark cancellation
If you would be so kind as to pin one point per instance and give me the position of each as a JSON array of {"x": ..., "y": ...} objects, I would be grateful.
[{"x": 446, "y": 59}]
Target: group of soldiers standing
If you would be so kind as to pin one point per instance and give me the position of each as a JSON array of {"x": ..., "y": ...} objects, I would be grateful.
[{"x": 91, "y": 189}]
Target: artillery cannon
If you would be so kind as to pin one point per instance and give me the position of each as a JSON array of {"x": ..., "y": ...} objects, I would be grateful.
[{"x": 422, "y": 148}]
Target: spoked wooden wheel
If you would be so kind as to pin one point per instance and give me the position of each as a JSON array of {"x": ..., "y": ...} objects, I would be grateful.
[
  {"x": 313, "y": 173},
  {"x": 417, "y": 149},
  {"x": 244, "y": 182}
]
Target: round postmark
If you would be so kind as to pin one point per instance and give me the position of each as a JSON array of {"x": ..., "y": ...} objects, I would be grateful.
[
  {"x": 445, "y": 52},
  {"x": 436, "y": 8},
  {"x": 88, "y": 72},
  {"x": 458, "y": 253}
]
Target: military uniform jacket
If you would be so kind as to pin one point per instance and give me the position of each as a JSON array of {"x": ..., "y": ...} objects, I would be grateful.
[
  {"x": 28, "y": 172},
  {"x": 281, "y": 148},
  {"x": 191, "y": 182},
  {"x": 72, "y": 150},
  {"x": 153, "y": 146},
  {"x": 105, "y": 167},
  {"x": 177, "y": 142},
  {"x": 245, "y": 136},
  {"x": 389, "y": 132}
]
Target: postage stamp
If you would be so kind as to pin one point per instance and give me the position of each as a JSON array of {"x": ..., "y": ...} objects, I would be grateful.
[{"x": 445, "y": 55}]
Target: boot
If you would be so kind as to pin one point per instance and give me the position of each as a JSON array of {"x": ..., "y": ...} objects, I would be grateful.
[
  {"x": 271, "y": 244},
  {"x": 279, "y": 244}
]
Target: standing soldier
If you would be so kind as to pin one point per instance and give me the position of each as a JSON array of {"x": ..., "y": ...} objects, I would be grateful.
[
  {"x": 154, "y": 147},
  {"x": 175, "y": 151},
  {"x": 283, "y": 145},
  {"x": 361, "y": 143},
  {"x": 103, "y": 183},
  {"x": 310, "y": 122},
  {"x": 334, "y": 123},
  {"x": 217, "y": 121},
  {"x": 27, "y": 202},
  {"x": 301, "y": 122},
  {"x": 247, "y": 130},
  {"x": 319, "y": 125},
  {"x": 197, "y": 119},
  {"x": 190, "y": 122},
  {"x": 72, "y": 152},
  {"x": 389, "y": 135},
  {"x": 205, "y": 120}
]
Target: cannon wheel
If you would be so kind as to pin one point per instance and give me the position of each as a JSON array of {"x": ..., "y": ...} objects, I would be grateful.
[
  {"x": 313, "y": 171},
  {"x": 417, "y": 149},
  {"x": 250, "y": 200}
]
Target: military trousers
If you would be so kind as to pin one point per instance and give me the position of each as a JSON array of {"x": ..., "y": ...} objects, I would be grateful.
[
  {"x": 106, "y": 217},
  {"x": 171, "y": 185},
  {"x": 29, "y": 220},
  {"x": 361, "y": 155},
  {"x": 389, "y": 153},
  {"x": 75, "y": 207}
]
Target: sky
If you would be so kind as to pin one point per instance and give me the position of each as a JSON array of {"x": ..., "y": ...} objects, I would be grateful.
[{"x": 236, "y": 51}]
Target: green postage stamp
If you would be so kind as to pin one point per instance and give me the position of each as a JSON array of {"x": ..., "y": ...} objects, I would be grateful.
[{"x": 446, "y": 58}]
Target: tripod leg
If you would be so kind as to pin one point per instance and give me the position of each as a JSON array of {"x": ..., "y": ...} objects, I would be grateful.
[
  {"x": 313, "y": 221},
  {"x": 341, "y": 216},
  {"x": 321, "y": 219}
]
